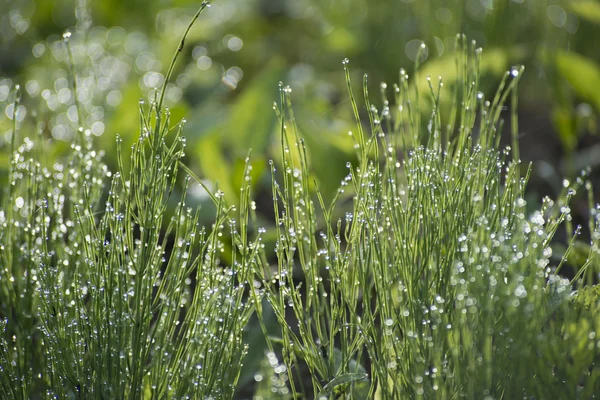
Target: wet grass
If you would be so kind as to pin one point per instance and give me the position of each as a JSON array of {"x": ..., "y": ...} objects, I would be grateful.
[
  {"x": 95, "y": 304},
  {"x": 437, "y": 281}
]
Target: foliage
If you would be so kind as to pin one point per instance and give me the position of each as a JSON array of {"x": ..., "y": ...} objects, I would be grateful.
[
  {"x": 96, "y": 302},
  {"x": 439, "y": 280},
  {"x": 118, "y": 47},
  {"x": 425, "y": 274}
]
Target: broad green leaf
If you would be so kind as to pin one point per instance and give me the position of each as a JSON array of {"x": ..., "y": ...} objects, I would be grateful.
[
  {"x": 589, "y": 10},
  {"x": 4, "y": 163},
  {"x": 209, "y": 155},
  {"x": 247, "y": 125},
  {"x": 353, "y": 365},
  {"x": 252, "y": 120},
  {"x": 205, "y": 120},
  {"x": 328, "y": 163},
  {"x": 258, "y": 168},
  {"x": 565, "y": 126},
  {"x": 359, "y": 390},
  {"x": 329, "y": 388},
  {"x": 343, "y": 41},
  {"x": 582, "y": 74}
]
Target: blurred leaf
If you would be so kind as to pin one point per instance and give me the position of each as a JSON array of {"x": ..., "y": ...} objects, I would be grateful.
[
  {"x": 589, "y": 10},
  {"x": 329, "y": 388},
  {"x": 257, "y": 347},
  {"x": 328, "y": 160},
  {"x": 565, "y": 126},
  {"x": 204, "y": 120},
  {"x": 215, "y": 166},
  {"x": 252, "y": 120},
  {"x": 342, "y": 40},
  {"x": 586, "y": 119},
  {"x": 4, "y": 163},
  {"x": 582, "y": 74},
  {"x": 353, "y": 365},
  {"x": 117, "y": 12},
  {"x": 248, "y": 124},
  {"x": 258, "y": 166}
]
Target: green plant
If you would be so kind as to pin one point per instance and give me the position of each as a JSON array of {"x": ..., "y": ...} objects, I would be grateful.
[
  {"x": 118, "y": 60},
  {"x": 96, "y": 301},
  {"x": 436, "y": 282}
]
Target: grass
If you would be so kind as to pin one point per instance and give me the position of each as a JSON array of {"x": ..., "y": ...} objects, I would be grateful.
[{"x": 437, "y": 281}]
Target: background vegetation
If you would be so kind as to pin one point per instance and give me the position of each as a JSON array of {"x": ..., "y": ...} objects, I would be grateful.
[{"x": 240, "y": 50}]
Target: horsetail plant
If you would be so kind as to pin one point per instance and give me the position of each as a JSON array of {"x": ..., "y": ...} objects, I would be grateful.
[
  {"x": 95, "y": 301},
  {"x": 438, "y": 283}
]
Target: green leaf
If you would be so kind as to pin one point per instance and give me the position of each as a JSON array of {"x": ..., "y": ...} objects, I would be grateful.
[
  {"x": 589, "y": 10},
  {"x": 4, "y": 163},
  {"x": 328, "y": 162},
  {"x": 582, "y": 74},
  {"x": 215, "y": 166},
  {"x": 353, "y": 365},
  {"x": 247, "y": 124},
  {"x": 565, "y": 126},
  {"x": 337, "y": 381},
  {"x": 259, "y": 166},
  {"x": 252, "y": 120}
]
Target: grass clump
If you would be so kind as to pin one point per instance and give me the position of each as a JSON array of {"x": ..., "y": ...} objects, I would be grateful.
[
  {"x": 95, "y": 301},
  {"x": 436, "y": 282}
]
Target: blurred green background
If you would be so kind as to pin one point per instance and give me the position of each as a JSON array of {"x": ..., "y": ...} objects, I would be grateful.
[{"x": 227, "y": 80}]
